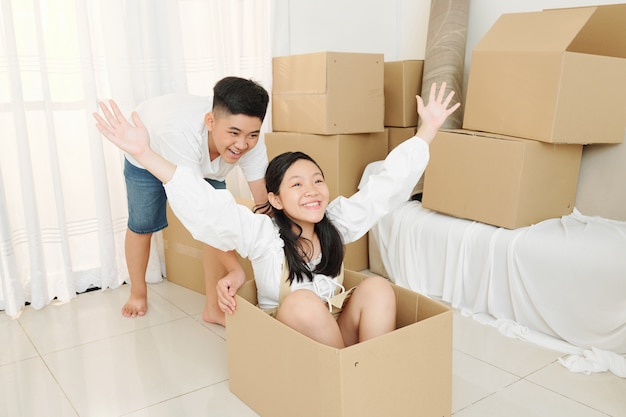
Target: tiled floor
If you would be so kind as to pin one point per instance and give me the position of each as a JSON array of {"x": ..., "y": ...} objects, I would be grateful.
[{"x": 84, "y": 359}]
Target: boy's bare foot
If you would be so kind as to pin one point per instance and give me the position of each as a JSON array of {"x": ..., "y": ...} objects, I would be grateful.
[
  {"x": 135, "y": 306},
  {"x": 213, "y": 315}
]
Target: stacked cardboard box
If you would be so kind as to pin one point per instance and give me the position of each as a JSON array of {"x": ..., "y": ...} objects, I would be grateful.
[
  {"x": 330, "y": 105},
  {"x": 534, "y": 98}
]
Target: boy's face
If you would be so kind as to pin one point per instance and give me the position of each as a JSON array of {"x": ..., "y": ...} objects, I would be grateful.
[{"x": 232, "y": 135}]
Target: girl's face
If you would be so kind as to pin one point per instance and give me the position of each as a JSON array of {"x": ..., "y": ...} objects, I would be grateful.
[{"x": 303, "y": 194}]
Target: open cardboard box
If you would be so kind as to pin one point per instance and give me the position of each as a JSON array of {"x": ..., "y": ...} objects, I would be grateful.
[
  {"x": 279, "y": 372},
  {"x": 555, "y": 76}
]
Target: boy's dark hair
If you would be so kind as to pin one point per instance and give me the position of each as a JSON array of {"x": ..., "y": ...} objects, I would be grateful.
[
  {"x": 330, "y": 239},
  {"x": 237, "y": 95}
]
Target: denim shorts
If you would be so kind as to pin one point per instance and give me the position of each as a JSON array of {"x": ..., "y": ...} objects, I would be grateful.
[{"x": 146, "y": 199}]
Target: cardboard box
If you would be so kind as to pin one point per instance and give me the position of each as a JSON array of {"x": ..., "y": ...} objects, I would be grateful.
[
  {"x": 328, "y": 93},
  {"x": 503, "y": 181},
  {"x": 183, "y": 255},
  {"x": 279, "y": 372},
  {"x": 397, "y": 135},
  {"x": 356, "y": 256},
  {"x": 555, "y": 76},
  {"x": 403, "y": 81},
  {"x": 375, "y": 258}
]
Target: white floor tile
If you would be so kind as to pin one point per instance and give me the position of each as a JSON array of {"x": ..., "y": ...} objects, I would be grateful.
[
  {"x": 92, "y": 316},
  {"x": 191, "y": 302},
  {"x": 27, "y": 389},
  {"x": 473, "y": 380},
  {"x": 488, "y": 344},
  {"x": 126, "y": 373},
  {"x": 525, "y": 399},
  {"x": 602, "y": 391},
  {"x": 215, "y": 400},
  {"x": 95, "y": 362},
  {"x": 15, "y": 345},
  {"x": 215, "y": 328}
]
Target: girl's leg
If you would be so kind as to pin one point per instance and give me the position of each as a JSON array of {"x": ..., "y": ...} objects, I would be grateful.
[
  {"x": 370, "y": 311},
  {"x": 304, "y": 311}
]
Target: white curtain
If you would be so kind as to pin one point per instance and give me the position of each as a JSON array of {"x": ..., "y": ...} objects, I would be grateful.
[{"x": 62, "y": 194}]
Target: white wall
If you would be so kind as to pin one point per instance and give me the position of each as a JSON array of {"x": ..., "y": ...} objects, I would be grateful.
[{"x": 396, "y": 28}]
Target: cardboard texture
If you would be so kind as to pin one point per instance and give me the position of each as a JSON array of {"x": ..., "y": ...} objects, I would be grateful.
[
  {"x": 503, "y": 181},
  {"x": 554, "y": 76},
  {"x": 328, "y": 93},
  {"x": 183, "y": 255},
  {"x": 375, "y": 259},
  {"x": 397, "y": 135},
  {"x": 279, "y": 372},
  {"x": 343, "y": 159},
  {"x": 403, "y": 81}
]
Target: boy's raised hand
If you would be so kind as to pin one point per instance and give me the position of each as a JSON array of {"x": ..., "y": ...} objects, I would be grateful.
[
  {"x": 114, "y": 126},
  {"x": 435, "y": 112}
]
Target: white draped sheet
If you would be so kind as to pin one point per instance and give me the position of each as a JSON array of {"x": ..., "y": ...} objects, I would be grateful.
[{"x": 560, "y": 283}]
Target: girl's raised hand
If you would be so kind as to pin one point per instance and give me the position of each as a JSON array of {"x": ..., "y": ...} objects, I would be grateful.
[
  {"x": 436, "y": 111},
  {"x": 131, "y": 138}
]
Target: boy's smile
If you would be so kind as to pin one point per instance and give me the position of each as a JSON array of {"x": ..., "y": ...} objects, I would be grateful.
[{"x": 232, "y": 135}]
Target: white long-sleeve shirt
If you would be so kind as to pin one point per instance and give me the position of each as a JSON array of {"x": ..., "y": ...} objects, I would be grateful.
[{"x": 213, "y": 217}]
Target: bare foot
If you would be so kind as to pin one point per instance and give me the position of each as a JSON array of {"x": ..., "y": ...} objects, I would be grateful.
[
  {"x": 213, "y": 315},
  {"x": 135, "y": 306}
]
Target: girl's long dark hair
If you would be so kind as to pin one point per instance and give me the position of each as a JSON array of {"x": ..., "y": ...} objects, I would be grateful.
[{"x": 330, "y": 239}]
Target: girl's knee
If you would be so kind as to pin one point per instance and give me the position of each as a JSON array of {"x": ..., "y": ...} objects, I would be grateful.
[
  {"x": 377, "y": 287},
  {"x": 299, "y": 305}
]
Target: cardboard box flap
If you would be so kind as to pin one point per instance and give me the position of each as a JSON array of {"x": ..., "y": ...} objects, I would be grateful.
[
  {"x": 552, "y": 30},
  {"x": 590, "y": 30},
  {"x": 478, "y": 133},
  {"x": 604, "y": 33},
  {"x": 299, "y": 74}
]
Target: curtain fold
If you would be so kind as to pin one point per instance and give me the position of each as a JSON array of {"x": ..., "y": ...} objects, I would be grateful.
[{"x": 62, "y": 194}]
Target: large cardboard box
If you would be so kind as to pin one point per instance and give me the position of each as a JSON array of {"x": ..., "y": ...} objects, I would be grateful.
[
  {"x": 279, "y": 372},
  {"x": 343, "y": 159},
  {"x": 503, "y": 181},
  {"x": 328, "y": 93},
  {"x": 555, "y": 76},
  {"x": 183, "y": 255},
  {"x": 403, "y": 81}
]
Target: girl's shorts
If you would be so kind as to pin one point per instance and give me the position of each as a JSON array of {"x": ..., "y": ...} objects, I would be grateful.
[{"x": 335, "y": 304}]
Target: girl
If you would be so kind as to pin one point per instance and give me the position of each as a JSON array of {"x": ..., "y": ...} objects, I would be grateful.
[{"x": 301, "y": 242}]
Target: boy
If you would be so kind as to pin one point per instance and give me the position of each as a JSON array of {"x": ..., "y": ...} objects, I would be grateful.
[{"x": 210, "y": 137}]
